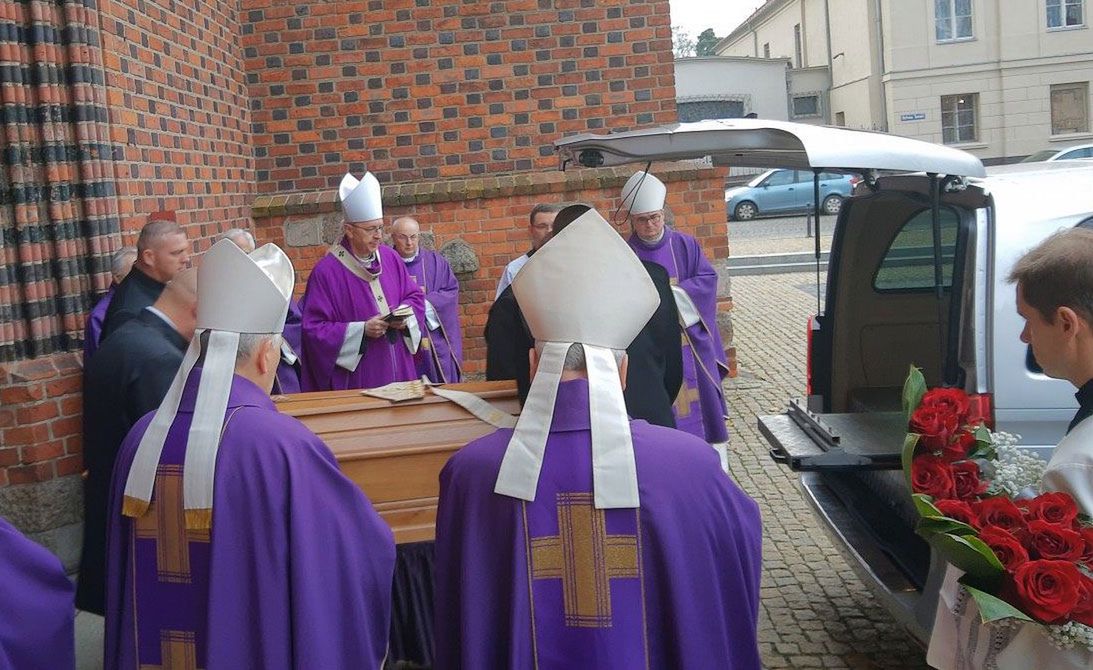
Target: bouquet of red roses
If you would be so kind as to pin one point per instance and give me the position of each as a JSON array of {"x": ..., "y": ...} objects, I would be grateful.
[{"x": 1025, "y": 556}]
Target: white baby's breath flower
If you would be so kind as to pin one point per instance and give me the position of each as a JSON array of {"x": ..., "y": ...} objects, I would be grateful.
[
  {"x": 1071, "y": 635},
  {"x": 1016, "y": 469}
]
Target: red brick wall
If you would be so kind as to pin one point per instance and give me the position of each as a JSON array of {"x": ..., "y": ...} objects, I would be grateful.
[
  {"x": 495, "y": 226},
  {"x": 179, "y": 112},
  {"x": 433, "y": 89},
  {"x": 40, "y": 430}
]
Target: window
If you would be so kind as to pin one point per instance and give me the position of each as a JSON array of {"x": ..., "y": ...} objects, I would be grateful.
[
  {"x": 709, "y": 109},
  {"x": 840, "y": 119},
  {"x": 1077, "y": 153},
  {"x": 1065, "y": 13},
  {"x": 952, "y": 20},
  {"x": 1070, "y": 108},
  {"x": 781, "y": 178},
  {"x": 797, "y": 51},
  {"x": 908, "y": 265},
  {"x": 806, "y": 105},
  {"x": 958, "y": 118},
  {"x": 766, "y": 50}
]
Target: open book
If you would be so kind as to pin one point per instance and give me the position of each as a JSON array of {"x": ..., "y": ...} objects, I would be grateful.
[{"x": 400, "y": 313}]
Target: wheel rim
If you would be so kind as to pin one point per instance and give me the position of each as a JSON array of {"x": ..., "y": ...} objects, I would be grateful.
[
  {"x": 832, "y": 205},
  {"x": 745, "y": 210}
]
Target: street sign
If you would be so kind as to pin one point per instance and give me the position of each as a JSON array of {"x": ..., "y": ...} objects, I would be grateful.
[{"x": 913, "y": 116}]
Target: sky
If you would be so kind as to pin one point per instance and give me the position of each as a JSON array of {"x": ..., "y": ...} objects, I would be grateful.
[{"x": 721, "y": 15}]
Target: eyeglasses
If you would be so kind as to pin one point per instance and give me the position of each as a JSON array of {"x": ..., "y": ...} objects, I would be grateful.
[
  {"x": 368, "y": 230},
  {"x": 405, "y": 238},
  {"x": 655, "y": 217}
]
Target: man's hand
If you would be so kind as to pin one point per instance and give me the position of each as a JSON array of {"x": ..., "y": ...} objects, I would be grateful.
[
  {"x": 397, "y": 324},
  {"x": 375, "y": 327}
]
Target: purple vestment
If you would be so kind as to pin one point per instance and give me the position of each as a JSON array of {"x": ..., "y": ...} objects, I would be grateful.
[
  {"x": 440, "y": 357},
  {"x": 700, "y": 406},
  {"x": 36, "y": 606},
  {"x": 335, "y": 297},
  {"x": 93, "y": 330},
  {"x": 294, "y": 573},
  {"x": 288, "y": 374},
  {"x": 555, "y": 583}
]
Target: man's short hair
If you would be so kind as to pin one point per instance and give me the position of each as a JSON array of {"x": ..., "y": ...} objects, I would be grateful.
[
  {"x": 545, "y": 208},
  {"x": 568, "y": 215},
  {"x": 154, "y": 232},
  {"x": 121, "y": 258},
  {"x": 233, "y": 233},
  {"x": 1058, "y": 273},
  {"x": 575, "y": 358}
]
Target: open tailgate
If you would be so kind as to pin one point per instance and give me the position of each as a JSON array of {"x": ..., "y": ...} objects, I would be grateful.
[{"x": 809, "y": 441}]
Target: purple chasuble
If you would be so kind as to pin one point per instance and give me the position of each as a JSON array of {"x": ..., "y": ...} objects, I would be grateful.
[
  {"x": 93, "y": 330},
  {"x": 556, "y": 583},
  {"x": 294, "y": 573},
  {"x": 288, "y": 374},
  {"x": 700, "y": 405},
  {"x": 335, "y": 297},
  {"x": 37, "y": 612},
  {"x": 440, "y": 357}
]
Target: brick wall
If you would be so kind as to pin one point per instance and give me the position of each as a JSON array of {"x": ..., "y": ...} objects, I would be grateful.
[
  {"x": 420, "y": 90},
  {"x": 491, "y": 216},
  {"x": 179, "y": 114}
]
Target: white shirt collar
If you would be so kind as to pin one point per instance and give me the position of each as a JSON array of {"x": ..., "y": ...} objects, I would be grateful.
[{"x": 161, "y": 315}]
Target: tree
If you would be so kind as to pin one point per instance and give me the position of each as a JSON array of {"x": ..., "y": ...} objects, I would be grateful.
[
  {"x": 706, "y": 42},
  {"x": 683, "y": 45}
]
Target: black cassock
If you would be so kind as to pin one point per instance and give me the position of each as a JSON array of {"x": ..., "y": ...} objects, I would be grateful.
[
  {"x": 126, "y": 378},
  {"x": 656, "y": 359}
]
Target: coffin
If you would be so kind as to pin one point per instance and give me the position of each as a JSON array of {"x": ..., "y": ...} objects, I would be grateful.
[{"x": 395, "y": 451}]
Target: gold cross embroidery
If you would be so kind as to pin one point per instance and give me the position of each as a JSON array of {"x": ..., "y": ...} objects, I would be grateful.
[
  {"x": 686, "y": 396},
  {"x": 178, "y": 651},
  {"x": 163, "y": 522},
  {"x": 585, "y": 558}
]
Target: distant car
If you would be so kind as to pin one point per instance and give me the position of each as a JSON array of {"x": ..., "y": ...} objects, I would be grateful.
[
  {"x": 1069, "y": 153},
  {"x": 780, "y": 191}
]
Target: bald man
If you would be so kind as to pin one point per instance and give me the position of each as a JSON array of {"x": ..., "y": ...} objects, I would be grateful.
[
  {"x": 242, "y": 238},
  {"x": 162, "y": 252},
  {"x": 127, "y": 378},
  {"x": 440, "y": 357},
  {"x": 120, "y": 265}
]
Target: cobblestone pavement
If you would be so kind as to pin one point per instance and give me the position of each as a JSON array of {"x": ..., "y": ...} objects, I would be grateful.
[
  {"x": 782, "y": 235},
  {"x": 815, "y": 612}
]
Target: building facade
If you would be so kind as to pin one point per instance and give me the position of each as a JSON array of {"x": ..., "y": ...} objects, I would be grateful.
[
  {"x": 246, "y": 114},
  {"x": 999, "y": 79}
]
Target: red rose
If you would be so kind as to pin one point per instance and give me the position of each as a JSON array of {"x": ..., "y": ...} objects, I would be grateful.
[
  {"x": 1083, "y": 611},
  {"x": 966, "y": 484},
  {"x": 936, "y": 425},
  {"x": 1051, "y": 542},
  {"x": 1005, "y": 546},
  {"x": 1056, "y": 508},
  {"x": 978, "y": 407},
  {"x": 959, "y": 446},
  {"x": 1048, "y": 590},
  {"x": 959, "y": 510},
  {"x": 932, "y": 476},
  {"x": 1001, "y": 512},
  {"x": 1087, "y": 554},
  {"x": 952, "y": 401}
]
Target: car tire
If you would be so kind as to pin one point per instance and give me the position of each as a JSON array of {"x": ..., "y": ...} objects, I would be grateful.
[
  {"x": 744, "y": 211},
  {"x": 832, "y": 204}
]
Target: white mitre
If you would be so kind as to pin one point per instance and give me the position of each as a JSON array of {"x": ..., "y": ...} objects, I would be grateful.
[
  {"x": 237, "y": 293},
  {"x": 643, "y": 193},
  {"x": 361, "y": 199},
  {"x": 583, "y": 286}
]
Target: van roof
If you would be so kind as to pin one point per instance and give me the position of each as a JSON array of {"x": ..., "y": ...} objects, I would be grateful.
[{"x": 768, "y": 144}]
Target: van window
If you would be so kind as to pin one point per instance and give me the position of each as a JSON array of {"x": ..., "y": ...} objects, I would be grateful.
[{"x": 908, "y": 265}]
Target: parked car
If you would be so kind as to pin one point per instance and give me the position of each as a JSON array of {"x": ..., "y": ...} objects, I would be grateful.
[
  {"x": 883, "y": 312},
  {"x": 1069, "y": 153},
  {"x": 782, "y": 191}
]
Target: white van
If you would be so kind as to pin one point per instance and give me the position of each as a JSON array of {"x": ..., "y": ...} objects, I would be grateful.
[{"x": 895, "y": 298}]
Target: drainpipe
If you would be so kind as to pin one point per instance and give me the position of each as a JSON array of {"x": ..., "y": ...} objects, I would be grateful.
[
  {"x": 830, "y": 63},
  {"x": 880, "y": 56}
]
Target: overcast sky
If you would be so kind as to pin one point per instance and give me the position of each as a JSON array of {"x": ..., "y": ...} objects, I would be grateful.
[{"x": 721, "y": 15}]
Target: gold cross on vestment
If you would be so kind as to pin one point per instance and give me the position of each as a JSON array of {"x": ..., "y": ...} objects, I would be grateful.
[
  {"x": 177, "y": 650},
  {"x": 164, "y": 523},
  {"x": 686, "y": 396},
  {"x": 585, "y": 558}
]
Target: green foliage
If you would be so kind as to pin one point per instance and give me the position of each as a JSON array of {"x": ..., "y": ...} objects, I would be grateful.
[
  {"x": 907, "y": 456},
  {"x": 984, "y": 447},
  {"x": 913, "y": 389},
  {"x": 990, "y": 607},
  {"x": 707, "y": 40},
  {"x": 933, "y": 521},
  {"x": 971, "y": 555}
]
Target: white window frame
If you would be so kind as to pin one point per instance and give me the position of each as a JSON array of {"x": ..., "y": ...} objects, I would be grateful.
[
  {"x": 1062, "y": 5},
  {"x": 951, "y": 17},
  {"x": 974, "y": 102}
]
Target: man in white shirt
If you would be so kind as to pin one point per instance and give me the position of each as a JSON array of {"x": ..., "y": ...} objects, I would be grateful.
[{"x": 539, "y": 225}]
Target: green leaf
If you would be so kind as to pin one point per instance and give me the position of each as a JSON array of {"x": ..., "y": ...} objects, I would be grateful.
[
  {"x": 970, "y": 554},
  {"x": 984, "y": 446},
  {"x": 908, "y": 455},
  {"x": 992, "y": 608},
  {"x": 982, "y": 434},
  {"x": 934, "y": 522},
  {"x": 913, "y": 389}
]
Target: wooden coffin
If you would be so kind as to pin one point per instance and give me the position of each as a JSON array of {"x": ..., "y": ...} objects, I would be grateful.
[{"x": 395, "y": 451}]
